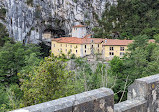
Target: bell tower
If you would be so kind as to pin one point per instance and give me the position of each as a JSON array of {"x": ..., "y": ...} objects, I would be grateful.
[{"x": 79, "y": 31}]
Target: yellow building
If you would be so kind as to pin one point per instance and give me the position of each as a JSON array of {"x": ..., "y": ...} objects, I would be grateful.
[
  {"x": 79, "y": 46},
  {"x": 115, "y": 47},
  {"x": 82, "y": 45}
]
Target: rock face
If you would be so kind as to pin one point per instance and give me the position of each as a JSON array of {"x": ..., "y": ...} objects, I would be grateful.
[{"x": 27, "y": 20}]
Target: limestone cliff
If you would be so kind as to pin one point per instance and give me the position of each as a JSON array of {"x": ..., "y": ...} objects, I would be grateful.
[{"x": 26, "y": 20}]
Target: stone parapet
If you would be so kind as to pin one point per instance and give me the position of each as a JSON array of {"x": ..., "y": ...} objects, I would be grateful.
[
  {"x": 148, "y": 89},
  {"x": 131, "y": 106},
  {"x": 99, "y": 100},
  {"x": 143, "y": 96}
]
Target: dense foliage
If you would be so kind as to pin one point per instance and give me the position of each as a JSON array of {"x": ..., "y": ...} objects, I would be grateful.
[
  {"x": 141, "y": 60},
  {"x": 49, "y": 81},
  {"x": 3, "y": 35},
  {"x": 13, "y": 57},
  {"x": 28, "y": 75},
  {"x": 129, "y": 18}
]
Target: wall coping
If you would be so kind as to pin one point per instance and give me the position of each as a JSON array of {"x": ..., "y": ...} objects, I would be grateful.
[
  {"x": 150, "y": 79},
  {"x": 128, "y": 104},
  {"x": 68, "y": 102}
]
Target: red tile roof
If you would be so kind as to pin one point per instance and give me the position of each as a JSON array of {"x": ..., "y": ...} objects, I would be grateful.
[
  {"x": 117, "y": 42},
  {"x": 86, "y": 40},
  {"x": 79, "y": 26},
  {"x": 75, "y": 40}
]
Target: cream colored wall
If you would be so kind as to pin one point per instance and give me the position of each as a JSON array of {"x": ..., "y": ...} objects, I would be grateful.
[
  {"x": 79, "y": 47},
  {"x": 89, "y": 47},
  {"x": 116, "y": 51},
  {"x": 65, "y": 48}
]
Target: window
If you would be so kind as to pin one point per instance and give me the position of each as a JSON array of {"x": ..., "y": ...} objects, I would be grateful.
[
  {"x": 98, "y": 45},
  {"x": 122, "y": 49},
  {"x": 76, "y": 47},
  {"x": 66, "y": 50},
  {"x": 54, "y": 45},
  {"x": 121, "y": 53},
  {"x": 85, "y": 46},
  {"x": 61, "y": 45},
  {"x": 111, "y": 48},
  {"x": 76, "y": 51},
  {"x": 66, "y": 45},
  {"x": 92, "y": 46},
  {"x": 60, "y": 49},
  {"x": 71, "y": 46},
  {"x": 85, "y": 51},
  {"x": 98, "y": 50},
  {"x": 111, "y": 53}
]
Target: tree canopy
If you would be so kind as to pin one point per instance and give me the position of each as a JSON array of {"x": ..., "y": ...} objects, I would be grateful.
[
  {"x": 129, "y": 18},
  {"x": 13, "y": 57},
  {"x": 49, "y": 81},
  {"x": 140, "y": 61}
]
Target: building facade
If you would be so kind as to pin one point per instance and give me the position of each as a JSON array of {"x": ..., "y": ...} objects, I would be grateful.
[
  {"x": 79, "y": 46},
  {"x": 115, "y": 47},
  {"x": 83, "y": 45},
  {"x": 79, "y": 31}
]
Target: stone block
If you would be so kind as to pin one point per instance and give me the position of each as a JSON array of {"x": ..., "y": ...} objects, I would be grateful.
[
  {"x": 148, "y": 89},
  {"x": 131, "y": 106},
  {"x": 99, "y": 100}
]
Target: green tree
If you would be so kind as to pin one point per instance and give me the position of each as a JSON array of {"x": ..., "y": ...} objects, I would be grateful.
[
  {"x": 83, "y": 75},
  {"x": 116, "y": 71},
  {"x": 129, "y": 18},
  {"x": 10, "y": 97},
  {"x": 88, "y": 77},
  {"x": 3, "y": 35},
  {"x": 13, "y": 59},
  {"x": 49, "y": 81},
  {"x": 140, "y": 61},
  {"x": 45, "y": 49}
]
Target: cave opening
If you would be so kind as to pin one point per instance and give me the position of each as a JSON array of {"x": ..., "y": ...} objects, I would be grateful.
[
  {"x": 50, "y": 33},
  {"x": 47, "y": 35}
]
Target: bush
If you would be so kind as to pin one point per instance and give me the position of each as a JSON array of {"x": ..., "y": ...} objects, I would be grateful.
[{"x": 73, "y": 56}]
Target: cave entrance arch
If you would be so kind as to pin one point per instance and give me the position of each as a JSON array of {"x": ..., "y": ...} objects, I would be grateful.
[{"x": 49, "y": 33}]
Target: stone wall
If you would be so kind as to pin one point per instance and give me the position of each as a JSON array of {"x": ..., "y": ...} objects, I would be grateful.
[
  {"x": 100, "y": 100},
  {"x": 143, "y": 96}
]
